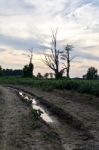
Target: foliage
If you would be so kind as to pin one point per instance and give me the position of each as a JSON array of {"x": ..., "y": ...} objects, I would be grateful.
[
  {"x": 91, "y": 74},
  {"x": 51, "y": 75},
  {"x": 82, "y": 86},
  {"x": 0, "y": 71},
  {"x": 36, "y": 114},
  {"x": 46, "y": 75},
  {"x": 28, "y": 70},
  {"x": 11, "y": 72},
  {"x": 39, "y": 76},
  {"x": 50, "y": 135},
  {"x": 36, "y": 125}
]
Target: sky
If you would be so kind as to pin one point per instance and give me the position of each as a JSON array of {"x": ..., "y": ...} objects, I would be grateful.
[{"x": 27, "y": 24}]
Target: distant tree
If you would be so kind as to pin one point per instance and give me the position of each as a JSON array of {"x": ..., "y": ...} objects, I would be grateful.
[
  {"x": 30, "y": 70},
  {"x": 51, "y": 75},
  {"x": 52, "y": 60},
  {"x": 11, "y": 72},
  {"x": 39, "y": 76},
  {"x": 67, "y": 58},
  {"x": 26, "y": 71},
  {"x": 91, "y": 74},
  {"x": 0, "y": 71},
  {"x": 46, "y": 75}
]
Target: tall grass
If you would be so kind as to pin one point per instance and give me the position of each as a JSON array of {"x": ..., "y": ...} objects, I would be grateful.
[{"x": 82, "y": 86}]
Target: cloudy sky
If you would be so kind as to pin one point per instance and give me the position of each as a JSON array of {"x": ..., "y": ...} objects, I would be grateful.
[{"x": 26, "y": 24}]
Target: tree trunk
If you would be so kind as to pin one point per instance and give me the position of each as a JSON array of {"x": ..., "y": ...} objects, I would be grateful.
[{"x": 68, "y": 68}]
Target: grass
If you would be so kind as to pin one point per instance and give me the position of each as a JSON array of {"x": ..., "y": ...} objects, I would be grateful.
[
  {"x": 82, "y": 86},
  {"x": 36, "y": 125},
  {"x": 35, "y": 114},
  {"x": 50, "y": 135}
]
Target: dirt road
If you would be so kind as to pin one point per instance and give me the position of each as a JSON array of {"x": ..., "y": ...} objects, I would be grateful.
[
  {"x": 83, "y": 108},
  {"x": 17, "y": 131}
]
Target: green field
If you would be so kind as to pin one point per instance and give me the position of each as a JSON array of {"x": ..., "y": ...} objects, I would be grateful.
[{"x": 82, "y": 86}]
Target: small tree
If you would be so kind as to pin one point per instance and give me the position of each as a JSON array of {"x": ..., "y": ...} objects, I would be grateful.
[
  {"x": 67, "y": 58},
  {"x": 51, "y": 75},
  {"x": 91, "y": 74},
  {"x": 46, "y": 75},
  {"x": 26, "y": 71},
  {"x": 39, "y": 76}
]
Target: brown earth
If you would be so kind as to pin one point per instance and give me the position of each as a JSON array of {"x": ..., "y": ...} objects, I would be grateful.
[
  {"x": 18, "y": 131},
  {"x": 84, "y": 108}
]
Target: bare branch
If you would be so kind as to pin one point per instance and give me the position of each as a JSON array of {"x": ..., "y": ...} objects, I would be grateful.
[
  {"x": 72, "y": 58},
  {"x": 52, "y": 59},
  {"x": 67, "y": 58}
]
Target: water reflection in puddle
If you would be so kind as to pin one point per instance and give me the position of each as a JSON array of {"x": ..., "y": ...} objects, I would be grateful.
[{"x": 35, "y": 105}]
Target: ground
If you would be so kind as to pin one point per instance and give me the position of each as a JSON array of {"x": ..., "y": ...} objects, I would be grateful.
[
  {"x": 77, "y": 127},
  {"x": 17, "y": 130},
  {"x": 82, "y": 110}
]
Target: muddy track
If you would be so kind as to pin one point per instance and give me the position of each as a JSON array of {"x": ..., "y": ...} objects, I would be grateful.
[
  {"x": 73, "y": 136},
  {"x": 16, "y": 126}
]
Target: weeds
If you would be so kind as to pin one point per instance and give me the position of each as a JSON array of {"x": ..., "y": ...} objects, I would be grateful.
[
  {"x": 36, "y": 125},
  {"x": 50, "y": 135},
  {"x": 82, "y": 86},
  {"x": 36, "y": 114}
]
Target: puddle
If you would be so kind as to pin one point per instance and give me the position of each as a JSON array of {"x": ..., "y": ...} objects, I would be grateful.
[{"x": 35, "y": 105}]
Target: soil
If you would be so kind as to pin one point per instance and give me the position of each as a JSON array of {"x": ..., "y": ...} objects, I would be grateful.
[
  {"x": 83, "y": 108},
  {"x": 18, "y": 130}
]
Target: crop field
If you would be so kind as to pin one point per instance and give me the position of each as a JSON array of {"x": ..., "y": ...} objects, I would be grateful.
[{"x": 82, "y": 86}]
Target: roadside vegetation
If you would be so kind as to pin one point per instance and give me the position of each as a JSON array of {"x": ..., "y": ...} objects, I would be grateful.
[{"x": 82, "y": 86}]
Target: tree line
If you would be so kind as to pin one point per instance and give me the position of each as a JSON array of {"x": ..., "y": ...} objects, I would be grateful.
[{"x": 10, "y": 72}]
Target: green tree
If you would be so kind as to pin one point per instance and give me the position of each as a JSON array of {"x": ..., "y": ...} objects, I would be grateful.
[
  {"x": 25, "y": 71},
  {"x": 46, "y": 75},
  {"x": 91, "y": 74},
  {"x": 0, "y": 71},
  {"x": 51, "y": 75},
  {"x": 39, "y": 76},
  {"x": 30, "y": 70}
]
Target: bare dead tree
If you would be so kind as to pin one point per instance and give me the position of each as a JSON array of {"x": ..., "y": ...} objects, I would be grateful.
[
  {"x": 67, "y": 58},
  {"x": 52, "y": 59},
  {"x": 30, "y": 55}
]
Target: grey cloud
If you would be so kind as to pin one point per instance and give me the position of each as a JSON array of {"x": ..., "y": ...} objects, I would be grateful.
[
  {"x": 90, "y": 47},
  {"x": 23, "y": 44},
  {"x": 15, "y": 7},
  {"x": 71, "y": 6},
  {"x": 88, "y": 56}
]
